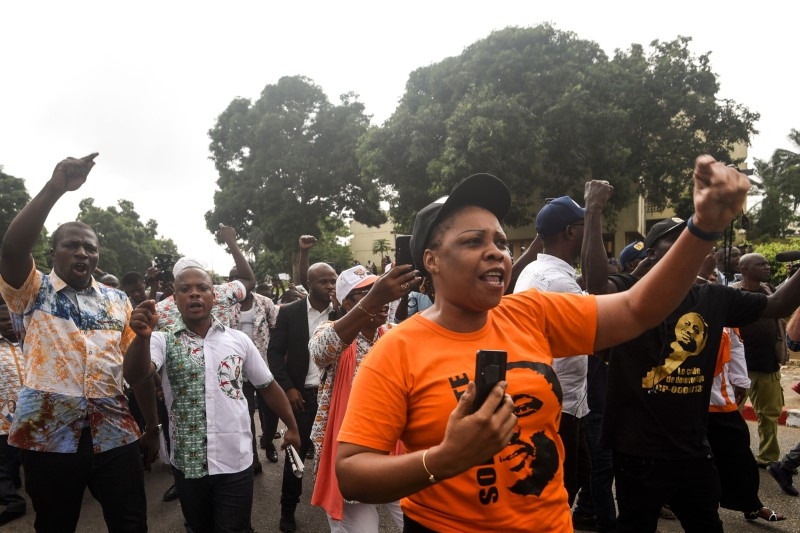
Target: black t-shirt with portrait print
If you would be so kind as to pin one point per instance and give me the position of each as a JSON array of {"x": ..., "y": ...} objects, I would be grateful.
[{"x": 659, "y": 384}]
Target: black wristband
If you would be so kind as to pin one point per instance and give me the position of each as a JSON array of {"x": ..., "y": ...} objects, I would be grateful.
[
  {"x": 792, "y": 344},
  {"x": 700, "y": 234}
]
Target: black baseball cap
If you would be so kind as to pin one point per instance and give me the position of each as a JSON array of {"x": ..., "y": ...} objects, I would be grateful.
[
  {"x": 481, "y": 190},
  {"x": 662, "y": 229}
]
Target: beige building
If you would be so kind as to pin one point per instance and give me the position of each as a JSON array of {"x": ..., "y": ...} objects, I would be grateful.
[{"x": 364, "y": 236}]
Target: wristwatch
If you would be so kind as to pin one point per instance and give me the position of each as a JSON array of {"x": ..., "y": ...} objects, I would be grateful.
[{"x": 156, "y": 429}]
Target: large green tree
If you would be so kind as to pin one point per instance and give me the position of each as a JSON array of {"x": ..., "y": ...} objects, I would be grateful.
[
  {"x": 126, "y": 244},
  {"x": 546, "y": 111},
  {"x": 787, "y": 165},
  {"x": 777, "y": 184},
  {"x": 287, "y": 164},
  {"x": 13, "y": 197}
]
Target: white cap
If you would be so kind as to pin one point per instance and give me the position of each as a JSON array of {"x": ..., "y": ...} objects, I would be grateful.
[
  {"x": 353, "y": 278},
  {"x": 186, "y": 262}
]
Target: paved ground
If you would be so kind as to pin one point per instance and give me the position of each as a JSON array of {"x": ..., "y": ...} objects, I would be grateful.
[
  {"x": 166, "y": 517},
  {"x": 790, "y": 374}
]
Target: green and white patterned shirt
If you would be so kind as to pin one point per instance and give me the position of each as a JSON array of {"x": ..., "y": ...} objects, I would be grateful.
[{"x": 202, "y": 381}]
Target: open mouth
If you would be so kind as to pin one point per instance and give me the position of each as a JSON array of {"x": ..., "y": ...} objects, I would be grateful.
[
  {"x": 195, "y": 306},
  {"x": 495, "y": 277},
  {"x": 80, "y": 268}
]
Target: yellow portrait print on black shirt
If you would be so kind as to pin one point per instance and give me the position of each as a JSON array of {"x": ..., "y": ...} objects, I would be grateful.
[{"x": 691, "y": 333}]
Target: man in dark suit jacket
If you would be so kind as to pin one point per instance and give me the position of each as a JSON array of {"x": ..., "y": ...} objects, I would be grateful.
[{"x": 293, "y": 369}]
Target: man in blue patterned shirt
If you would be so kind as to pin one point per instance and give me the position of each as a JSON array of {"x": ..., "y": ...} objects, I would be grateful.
[{"x": 72, "y": 417}]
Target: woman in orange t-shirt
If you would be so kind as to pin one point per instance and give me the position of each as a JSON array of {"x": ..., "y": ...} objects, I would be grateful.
[{"x": 499, "y": 468}]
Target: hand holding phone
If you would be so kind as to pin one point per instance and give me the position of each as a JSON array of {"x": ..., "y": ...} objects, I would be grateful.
[{"x": 490, "y": 368}]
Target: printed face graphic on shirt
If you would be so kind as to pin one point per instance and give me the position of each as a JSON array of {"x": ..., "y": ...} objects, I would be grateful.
[
  {"x": 7, "y": 409},
  {"x": 691, "y": 334},
  {"x": 531, "y": 456},
  {"x": 229, "y": 375}
]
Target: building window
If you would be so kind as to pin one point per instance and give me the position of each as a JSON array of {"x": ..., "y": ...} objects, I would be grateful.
[{"x": 651, "y": 207}]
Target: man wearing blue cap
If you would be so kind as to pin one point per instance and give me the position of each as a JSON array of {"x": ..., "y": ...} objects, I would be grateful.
[
  {"x": 631, "y": 256},
  {"x": 560, "y": 225}
]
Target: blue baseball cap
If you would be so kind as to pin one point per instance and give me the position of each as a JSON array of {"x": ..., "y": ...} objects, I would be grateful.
[
  {"x": 632, "y": 252},
  {"x": 557, "y": 214}
]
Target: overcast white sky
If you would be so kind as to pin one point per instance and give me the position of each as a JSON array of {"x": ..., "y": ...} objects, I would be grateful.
[{"x": 143, "y": 82}]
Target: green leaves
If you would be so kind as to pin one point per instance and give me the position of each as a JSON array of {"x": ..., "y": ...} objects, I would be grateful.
[
  {"x": 770, "y": 250},
  {"x": 13, "y": 197},
  {"x": 546, "y": 111},
  {"x": 287, "y": 163},
  {"x": 778, "y": 183},
  {"x": 540, "y": 108},
  {"x": 126, "y": 244},
  {"x": 381, "y": 247}
]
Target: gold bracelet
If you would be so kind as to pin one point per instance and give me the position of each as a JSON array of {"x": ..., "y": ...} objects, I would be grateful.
[
  {"x": 431, "y": 479},
  {"x": 358, "y": 305}
]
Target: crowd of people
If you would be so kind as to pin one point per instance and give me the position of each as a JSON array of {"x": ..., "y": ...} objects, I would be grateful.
[{"x": 618, "y": 400}]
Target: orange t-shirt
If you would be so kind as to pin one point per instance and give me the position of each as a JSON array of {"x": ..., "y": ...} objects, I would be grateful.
[{"x": 410, "y": 382}]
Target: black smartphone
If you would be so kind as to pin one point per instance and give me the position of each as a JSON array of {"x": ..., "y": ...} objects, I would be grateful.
[
  {"x": 490, "y": 367},
  {"x": 402, "y": 250}
]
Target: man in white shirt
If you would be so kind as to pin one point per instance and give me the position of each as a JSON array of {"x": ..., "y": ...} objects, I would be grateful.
[
  {"x": 560, "y": 226},
  {"x": 204, "y": 364}
]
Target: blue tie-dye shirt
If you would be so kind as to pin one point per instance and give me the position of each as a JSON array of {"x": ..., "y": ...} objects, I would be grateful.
[{"x": 72, "y": 378}]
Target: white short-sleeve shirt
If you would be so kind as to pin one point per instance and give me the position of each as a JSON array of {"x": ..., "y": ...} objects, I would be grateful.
[{"x": 202, "y": 382}]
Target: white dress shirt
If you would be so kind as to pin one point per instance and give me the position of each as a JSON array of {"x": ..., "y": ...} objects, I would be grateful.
[
  {"x": 551, "y": 274},
  {"x": 315, "y": 318}
]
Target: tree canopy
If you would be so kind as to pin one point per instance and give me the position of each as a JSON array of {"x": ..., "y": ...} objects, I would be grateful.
[
  {"x": 777, "y": 182},
  {"x": 287, "y": 165},
  {"x": 13, "y": 197},
  {"x": 126, "y": 244},
  {"x": 546, "y": 111}
]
